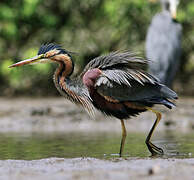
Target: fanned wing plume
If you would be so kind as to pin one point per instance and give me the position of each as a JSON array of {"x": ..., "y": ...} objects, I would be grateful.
[
  {"x": 123, "y": 79},
  {"x": 117, "y": 60}
]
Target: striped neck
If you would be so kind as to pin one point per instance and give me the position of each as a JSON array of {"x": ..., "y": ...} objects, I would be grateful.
[
  {"x": 63, "y": 72},
  {"x": 73, "y": 90},
  {"x": 66, "y": 66},
  {"x": 61, "y": 80}
]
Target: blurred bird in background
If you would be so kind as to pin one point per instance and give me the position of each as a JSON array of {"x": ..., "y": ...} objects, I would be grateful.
[
  {"x": 163, "y": 43},
  {"x": 115, "y": 84}
]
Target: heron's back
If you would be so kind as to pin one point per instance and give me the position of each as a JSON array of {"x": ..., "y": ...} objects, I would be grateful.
[{"x": 163, "y": 47}]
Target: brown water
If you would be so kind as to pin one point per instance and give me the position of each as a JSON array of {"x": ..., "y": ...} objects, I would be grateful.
[{"x": 98, "y": 145}]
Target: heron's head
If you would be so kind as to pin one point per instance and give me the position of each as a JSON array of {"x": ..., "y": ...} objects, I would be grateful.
[
  {"x": 169, "y": 5},
  {"x": 173, "y": 7},
  {"x": 47, "y": 53}
]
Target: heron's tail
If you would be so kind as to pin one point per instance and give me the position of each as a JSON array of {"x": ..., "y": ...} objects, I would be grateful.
[{"x": 166, "y": 94}]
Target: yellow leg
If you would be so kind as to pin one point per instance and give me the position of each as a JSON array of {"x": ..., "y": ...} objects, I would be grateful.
[
  {"x": 124, "y": 134},
  {"x": 153, "y": 148}
]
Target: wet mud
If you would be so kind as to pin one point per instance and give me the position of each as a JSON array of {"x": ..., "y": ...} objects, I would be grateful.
[
  {"x": 91, "y": 168},
  {"x": 56, "y": 115}
]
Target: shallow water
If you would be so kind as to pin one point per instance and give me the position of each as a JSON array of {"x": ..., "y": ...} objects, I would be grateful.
[{"x": 98, "y": 145}]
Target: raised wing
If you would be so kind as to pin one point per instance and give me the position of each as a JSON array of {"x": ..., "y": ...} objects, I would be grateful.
[
  {"x": 132, "y": 86},
  {"x": 118, "y": 77},
  {"x": 117, "y": 60}
]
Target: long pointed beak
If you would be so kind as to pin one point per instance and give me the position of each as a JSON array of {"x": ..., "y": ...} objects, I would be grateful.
[
  {"x": 27, "y": 61},
  {"x": 173, "y": 10},
  {"x": 173, "y": 14}
]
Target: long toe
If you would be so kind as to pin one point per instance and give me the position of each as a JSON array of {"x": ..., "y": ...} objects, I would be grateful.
[{"x": 154, "y": 149}]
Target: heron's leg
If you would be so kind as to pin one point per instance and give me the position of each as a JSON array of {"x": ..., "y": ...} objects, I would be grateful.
[
  {"x": 153, "y": 148},
  {"x": 124, "y": 134}
]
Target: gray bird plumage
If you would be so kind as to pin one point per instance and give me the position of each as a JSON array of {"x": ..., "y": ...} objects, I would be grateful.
[{"x": 163, "y": 46}]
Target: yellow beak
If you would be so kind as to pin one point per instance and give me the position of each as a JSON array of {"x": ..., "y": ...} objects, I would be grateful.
[
  {"x": 28, "y": 61},
  {"x": 173, "y": 11}
]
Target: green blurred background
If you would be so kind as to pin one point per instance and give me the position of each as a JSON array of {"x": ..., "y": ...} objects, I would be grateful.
[{"x": 87, "y": 27}]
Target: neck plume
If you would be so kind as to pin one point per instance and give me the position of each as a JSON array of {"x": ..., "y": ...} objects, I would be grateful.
[{"x": 71, "y": 89}]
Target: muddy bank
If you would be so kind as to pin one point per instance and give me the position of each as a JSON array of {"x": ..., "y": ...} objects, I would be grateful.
[
  {"x": 90, "y": 168},
  {"x": 58, "y": 114},
  {"x": 48, "y": 115}
]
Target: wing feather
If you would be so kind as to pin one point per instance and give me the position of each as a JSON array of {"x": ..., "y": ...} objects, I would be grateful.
[
  {"x": 117, "y": 60},
  {"x": 145, "y": 89},
  {"x": 125, "y": 85},
  {"x": 123, "y": 79}
]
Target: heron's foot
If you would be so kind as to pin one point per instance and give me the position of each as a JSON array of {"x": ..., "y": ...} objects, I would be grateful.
[{"x": 154, "y": 149}]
